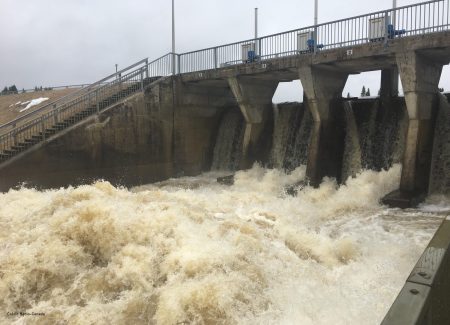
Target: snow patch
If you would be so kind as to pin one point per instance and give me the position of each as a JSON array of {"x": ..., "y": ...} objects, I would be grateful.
[{"x": 32, "y": 103}]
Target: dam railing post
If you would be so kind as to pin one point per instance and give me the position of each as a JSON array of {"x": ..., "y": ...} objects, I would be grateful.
[
  {"x": 43, "y": 128},
  {"x": 259, "y": 49},
  {"x": 386, "y": 27},
  {"x": 146, "y": 68},
  {"x": 14, "y": 137},
  {"x": 96, "y": 101},
  {"x": 56, "y": 112}
]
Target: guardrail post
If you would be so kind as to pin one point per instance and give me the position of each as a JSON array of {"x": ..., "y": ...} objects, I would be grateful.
[
  {"x": 259, "y": 49},
  {"x": 386, "y": 26},
  {"x": 42, "y": 128},
  {"x": 179, "y": 61},
  {"x": 55, "y": 113},
  {"x": 97, "y": 103},
  {"x": 146, "y": 68},
  {"x": 142, "y": 80},
  {"x": 215, "y": 58},
  {"x": 315, "y": 39},
  {"x": 448, "y": 12},
  {"x": 14, "y": 137},
  {"x": 173, "y": 64}
]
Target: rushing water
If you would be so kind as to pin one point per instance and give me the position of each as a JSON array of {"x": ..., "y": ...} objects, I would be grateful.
[{"x": 191, "y": 250}]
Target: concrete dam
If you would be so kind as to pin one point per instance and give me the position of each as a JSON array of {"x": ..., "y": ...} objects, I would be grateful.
[
  {"x": 171, "y": 128},
  {"x": 145, "y": 140},
  {"x": 112, "y": 190}
]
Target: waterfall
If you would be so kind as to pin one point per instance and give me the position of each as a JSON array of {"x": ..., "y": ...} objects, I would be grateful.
[
  {"x": 375, "y": 132},
  {"x": 292, "y": 131},
  {"x": 389, "y": 137},
  {"x": 283, "y": 129},
  {"x": 366, "y": 119},
  {"x": 297, "y": 153},
  {"x": 440, "y": 166},
  {"x": 228, "y": 148},
  {"x": 352, "y": 163},
  {"x": 375, "y": 135},
  {"x": 399, "y": 137}
]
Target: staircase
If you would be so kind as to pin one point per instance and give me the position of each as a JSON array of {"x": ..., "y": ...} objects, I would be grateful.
[{"x": 25, "y": 132}]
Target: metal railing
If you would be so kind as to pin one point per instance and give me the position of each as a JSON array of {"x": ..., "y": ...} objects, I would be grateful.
[
  {"x": 381, "y": 26},
  {"x": 93, "y": 98}
]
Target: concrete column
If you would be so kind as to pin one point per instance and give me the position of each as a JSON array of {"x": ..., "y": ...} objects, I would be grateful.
[
  {"x": 420, "y": 79},
  {"x": 254, "y": 97},
  {"x": 389, "y": 83},
  {"x": 322, "y": 87}
]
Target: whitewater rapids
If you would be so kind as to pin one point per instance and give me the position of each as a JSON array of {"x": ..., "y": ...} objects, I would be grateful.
[{"x": 193, "y": 251}]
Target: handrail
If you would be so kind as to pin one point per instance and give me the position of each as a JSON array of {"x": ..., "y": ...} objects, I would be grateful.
[
  {"x": 78, "y": 92},
  {"x": 419, "y": 18},
  {"x": 350, "y": 31},
  {"x": 95, "y": 97},
  {"x": 312, "y": 26},
  {"x": 120, "y": 72}
]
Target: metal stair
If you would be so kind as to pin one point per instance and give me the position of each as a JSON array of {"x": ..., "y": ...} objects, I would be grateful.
[{"x": 25, "y": 132}]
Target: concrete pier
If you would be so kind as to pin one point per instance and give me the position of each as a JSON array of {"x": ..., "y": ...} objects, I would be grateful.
[
  {"x": 323, "y": 88},
  {"x": 420, "y": 78},
  {"x": 254, "y": 97}
]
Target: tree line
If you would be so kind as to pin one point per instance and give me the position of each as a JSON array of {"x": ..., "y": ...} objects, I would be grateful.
[
  {"x": 10, "y": 90},
  {"x": 13, "y": 90},
  {"x": 366, "y": 93}
]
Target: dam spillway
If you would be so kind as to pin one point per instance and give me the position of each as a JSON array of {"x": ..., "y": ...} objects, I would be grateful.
[
  {"x": 191, "y": 250},
  {"x": 111, "y": 212}
]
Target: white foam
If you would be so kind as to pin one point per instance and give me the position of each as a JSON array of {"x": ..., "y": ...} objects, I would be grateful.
[{"x": 191, "y": 250}]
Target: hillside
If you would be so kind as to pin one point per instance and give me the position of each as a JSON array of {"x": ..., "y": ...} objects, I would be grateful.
[{"x": 10, "y": 107}]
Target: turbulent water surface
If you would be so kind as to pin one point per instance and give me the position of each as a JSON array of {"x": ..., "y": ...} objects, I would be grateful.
[{"x": 193, "y": 251}]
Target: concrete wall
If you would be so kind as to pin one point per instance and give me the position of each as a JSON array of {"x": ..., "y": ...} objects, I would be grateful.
[
  {"x": 157, "y": 135},
  {"x": 133, "y": 143}
]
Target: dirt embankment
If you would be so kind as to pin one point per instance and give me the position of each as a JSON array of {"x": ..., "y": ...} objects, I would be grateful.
[{"x": 10, "y": 107}]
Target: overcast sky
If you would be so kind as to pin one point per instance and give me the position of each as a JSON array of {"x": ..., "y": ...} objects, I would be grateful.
[{"x": 60, "y": 42}]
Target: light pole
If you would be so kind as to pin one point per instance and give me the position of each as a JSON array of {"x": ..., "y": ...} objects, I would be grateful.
[
  {"x": 173, "y": 37},
  {"x": 256, "y": 32},
  {"x": 256, "y": 23},
  {"x": 394, "y": 13},
  {"x": 316, "y": 19},
  {"x": 316, "y": 11}
]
